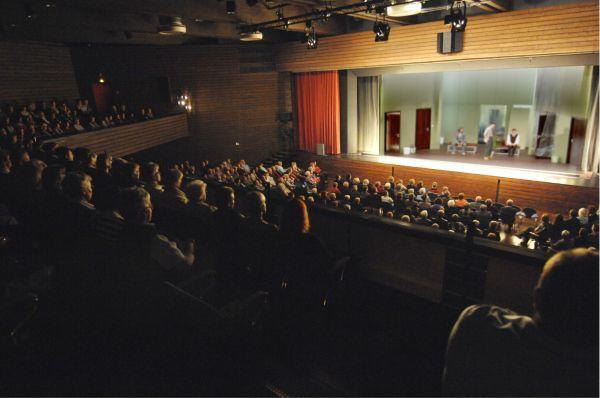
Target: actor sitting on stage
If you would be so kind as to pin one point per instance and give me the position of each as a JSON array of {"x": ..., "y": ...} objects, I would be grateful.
[
  {"x": 488, "y": 138},
  {"x": 461, "y": 141},
  {"x": 512, "y": 142}
]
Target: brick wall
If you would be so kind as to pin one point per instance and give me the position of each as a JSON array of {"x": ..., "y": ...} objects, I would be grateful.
[
  {"x": 237, "y": 93},
  {"x": 36, "y": 71}
]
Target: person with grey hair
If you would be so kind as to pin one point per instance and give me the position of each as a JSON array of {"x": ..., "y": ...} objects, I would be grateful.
[
  {"x": 423, "y": 219},
  {"x": 146, "y": 258},
  {"x": 197, "y": 205}
]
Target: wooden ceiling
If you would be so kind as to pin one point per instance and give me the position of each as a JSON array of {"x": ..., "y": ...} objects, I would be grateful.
[{"x": 135, "y": 21}]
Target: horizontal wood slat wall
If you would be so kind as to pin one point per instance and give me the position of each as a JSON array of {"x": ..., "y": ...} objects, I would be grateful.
[
  {"x": 557, "y": 30},
  {"x": 132, "y": 138},
  {"x": 236, "y": 99},
  {"x": 542, "y": 196},
  {"x": 35, "y": 71}
]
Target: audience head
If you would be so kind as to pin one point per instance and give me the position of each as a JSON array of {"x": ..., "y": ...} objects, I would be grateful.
[
  {"x": 77, "y": 186},
  {"x": 294, "y": 219},
  {"x": 225, "y": 198},
  {"x": 256, "y": 204},
  {"x": 5, "y": 161},
  {"x": 566, "y": 297},
  {"x": 405, "y": 218},
  {"x": 173, "y": 178},
  {"x": 196, "y": 191},
  {"x": 104, "y": 161},
  {"x": 135, "y": 205},
  {"x": 509, "y": 202},
  {"x": 150, "y": 173},
  {"x": 52, "y": 177},
  {"x": 573, "y": 213}
]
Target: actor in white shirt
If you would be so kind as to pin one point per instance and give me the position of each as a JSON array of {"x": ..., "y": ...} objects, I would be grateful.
[{"x": 488, "y": 138}]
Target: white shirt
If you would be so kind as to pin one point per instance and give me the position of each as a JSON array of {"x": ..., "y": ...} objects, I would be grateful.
[
  {"x": 509, "y": 140},
  {"x": 488, "y": 133}
]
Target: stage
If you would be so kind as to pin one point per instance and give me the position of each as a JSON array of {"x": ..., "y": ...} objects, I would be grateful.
[
  {"x": 523, "y": 166},
  {"x": 530, "y": 182}
]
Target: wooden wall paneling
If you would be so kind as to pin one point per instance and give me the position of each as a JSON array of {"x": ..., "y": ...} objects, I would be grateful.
[
  {"x": 36, "y": 71},
  {"x": 542, "y": 196},
  {"x": 125, "y": 140},
  {"x": 563, "y": 29}
]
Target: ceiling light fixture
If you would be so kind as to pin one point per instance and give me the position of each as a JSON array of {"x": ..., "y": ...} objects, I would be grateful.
[
  {"x": 310, "y": 36},
  {"x": 458, "y": 16},
  {"x": 230, "y": 7},
  {"x": 29, "y": 12},
  {"x": 381, "y": 30},
  {"x": 251, "y": 36},
  {"x": 171, "y": 26},
  {"x": 404, "y": 9}
]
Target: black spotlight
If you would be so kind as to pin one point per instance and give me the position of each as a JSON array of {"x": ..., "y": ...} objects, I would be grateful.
[
  {"x": 251, "y": 3},
  {"x": 310, "y": 36},
  {"x": 381, "y": 30},
  {"x": 29, "y": 12},
  {"x": 457, "y": 17},
  {"x": 230, "y": 6}
]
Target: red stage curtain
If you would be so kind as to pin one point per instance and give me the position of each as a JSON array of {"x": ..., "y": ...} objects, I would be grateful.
[{"x": 318, "y": 104}]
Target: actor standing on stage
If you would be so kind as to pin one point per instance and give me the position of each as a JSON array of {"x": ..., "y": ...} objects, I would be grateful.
[
  {"x": 512, "y": 142},
  {"x": 488, "y": 138}
]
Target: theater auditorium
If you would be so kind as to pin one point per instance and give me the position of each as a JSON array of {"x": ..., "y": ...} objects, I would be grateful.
[{"x": 299, "y": 198}]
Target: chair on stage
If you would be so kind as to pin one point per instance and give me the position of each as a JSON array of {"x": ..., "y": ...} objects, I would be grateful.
[{"x": 471, "y": 149}]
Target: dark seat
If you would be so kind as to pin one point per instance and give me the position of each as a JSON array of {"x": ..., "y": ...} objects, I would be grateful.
[
  {"x": 498, "y": 206},
  {"x": 529, "y": 212}
]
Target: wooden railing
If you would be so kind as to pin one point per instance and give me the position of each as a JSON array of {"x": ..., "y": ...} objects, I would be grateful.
[{"x": 131, "y": 138}]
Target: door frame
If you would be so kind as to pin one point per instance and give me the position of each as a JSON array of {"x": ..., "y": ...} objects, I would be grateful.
[
  {"x": 417, "y": 122},
  {"x": 385, "y": 120},
  {"x": 568, "y": 160}
]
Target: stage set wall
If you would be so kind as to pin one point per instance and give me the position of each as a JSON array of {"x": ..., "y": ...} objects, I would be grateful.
[
  {"x": 564, "y": 30},
  {"x": 36, "y": 71},
  {"x": 236, "y": 93}
]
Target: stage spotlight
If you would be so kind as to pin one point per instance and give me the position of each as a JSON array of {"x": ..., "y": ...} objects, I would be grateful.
[
  {"x": 29, "y": 12},
  {"x": 101, "y": 78},
  {"x": 404, "y": 9},
  {"x": 381, "y": 30},
  {"x": 230, "y": 6},
  {"x": 251, "y": 36},
  {"x": 310, "y": 36},
  {"x": 457, "y": 17}
]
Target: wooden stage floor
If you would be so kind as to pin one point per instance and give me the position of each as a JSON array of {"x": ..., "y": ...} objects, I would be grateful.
[
  {"x": 524, "y": 166},
  {"x": 544, "y": 186}
]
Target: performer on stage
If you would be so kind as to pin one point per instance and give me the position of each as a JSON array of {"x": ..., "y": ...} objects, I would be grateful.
[
  {"x": 512, "y": 142},
  {"x": 461, "y": 141},
  {"x": 488, "y": 138}
]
